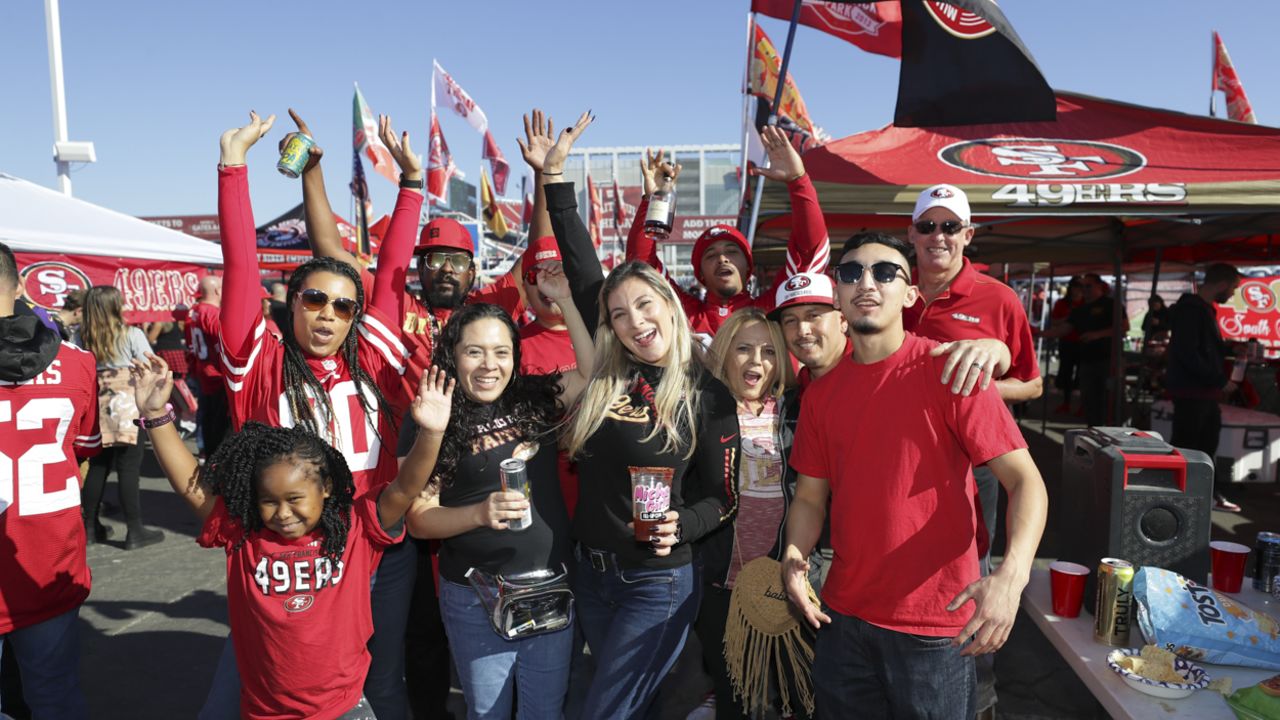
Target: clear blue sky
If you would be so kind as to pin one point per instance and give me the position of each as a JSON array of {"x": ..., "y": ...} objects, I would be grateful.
[{"x": 153, "y": 83}]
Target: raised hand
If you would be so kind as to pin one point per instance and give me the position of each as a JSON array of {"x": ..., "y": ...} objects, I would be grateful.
[
  {"x": 317, "y": 152},
  {"x": 236, "y": 142},
  {"x": 784, "y": 162},
  {"x": 554, "y": 161},
  {"x": 539, "y": 139},
  {"x": 552, "y": 281},
  {"x": 152, "y": 385},
  {"x": 434, "y": 403},
  {"x": 654, "y": 168},
  {"x": 408, "y": 161}
]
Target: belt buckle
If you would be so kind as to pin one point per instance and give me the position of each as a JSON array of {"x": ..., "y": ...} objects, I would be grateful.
[{"x": 598, "y": 560}]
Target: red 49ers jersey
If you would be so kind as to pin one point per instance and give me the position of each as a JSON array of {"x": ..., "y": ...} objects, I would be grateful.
[
  {"x": 299, "y": 621},
  {"x": 254, "y": 373},
  {"x": 45, "y": 423},
  {"x": 204, "y": 333}
]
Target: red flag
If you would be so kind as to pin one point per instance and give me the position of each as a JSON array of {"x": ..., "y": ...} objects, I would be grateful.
[
  {"x": 497, "y": 164},
  {"x": 619, "y": 212},
  {"x": 440, "y": 165},
  {"x": 595, "y": 213},
  {"x": 1226, "y": 80},
  {"x": 874, "y": 27},
  {"x": 364, "y": 137},
  {"x": 762, "y": 81}
]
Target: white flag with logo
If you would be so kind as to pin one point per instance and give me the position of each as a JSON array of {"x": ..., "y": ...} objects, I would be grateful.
[{"x": 448, "y": 92}]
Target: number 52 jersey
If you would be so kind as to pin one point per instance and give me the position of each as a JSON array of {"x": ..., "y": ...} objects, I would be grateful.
[{"x": 46, "y": 423}]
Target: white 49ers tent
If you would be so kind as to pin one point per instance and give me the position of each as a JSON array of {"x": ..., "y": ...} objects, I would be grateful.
[{"x": 64, "y": 244}]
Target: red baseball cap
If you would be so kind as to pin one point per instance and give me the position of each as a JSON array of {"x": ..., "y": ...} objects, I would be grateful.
[
  {"x": 716, "y": 233},
  {"x": 541, "y": 250},
  {"x": 444, "y": 234}
]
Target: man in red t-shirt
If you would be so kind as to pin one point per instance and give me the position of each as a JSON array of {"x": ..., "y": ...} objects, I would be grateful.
[
  {"x": 48, "y": 423},
  {"x": 897, "y": 469},
  {"x": 204, "y": 342}
]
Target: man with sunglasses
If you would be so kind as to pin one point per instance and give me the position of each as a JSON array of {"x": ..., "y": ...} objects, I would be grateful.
[{"x": 893, "y": 449}]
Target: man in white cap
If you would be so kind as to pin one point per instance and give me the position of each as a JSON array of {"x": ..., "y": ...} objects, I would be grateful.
[
  {"x": 957, "y": 302},
  {"x": 816, "y": 332}
]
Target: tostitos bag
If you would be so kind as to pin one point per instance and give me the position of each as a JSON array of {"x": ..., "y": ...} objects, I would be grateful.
[{"x": 1199, "y": 624}]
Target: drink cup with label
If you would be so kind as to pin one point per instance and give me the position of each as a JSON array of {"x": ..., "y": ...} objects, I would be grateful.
[
  {"x": 515, "y": 478},
  {"x": 295, "y": 155},
  {"x": 650, "y": 498}
]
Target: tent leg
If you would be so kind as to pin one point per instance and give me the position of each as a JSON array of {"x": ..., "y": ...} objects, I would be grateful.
[
  {"x": 1044, "y": 392},
  {"x": 1118, "y": 325}
]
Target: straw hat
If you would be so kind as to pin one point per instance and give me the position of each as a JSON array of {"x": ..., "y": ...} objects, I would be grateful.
[{"x": 765, "y": 633}]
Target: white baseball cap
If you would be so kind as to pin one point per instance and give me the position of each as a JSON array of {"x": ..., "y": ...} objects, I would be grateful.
[
  {"x": 947, "y": 196},
  {"x": 803, "y": 289}
]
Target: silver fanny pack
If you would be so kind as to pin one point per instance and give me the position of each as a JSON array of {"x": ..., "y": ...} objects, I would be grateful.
[{"x": 524, "y": 605}]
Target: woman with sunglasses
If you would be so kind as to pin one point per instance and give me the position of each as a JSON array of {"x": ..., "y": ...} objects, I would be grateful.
[
  {"x": 653, "y": 417},
  {"x": 338, "y": 370}
]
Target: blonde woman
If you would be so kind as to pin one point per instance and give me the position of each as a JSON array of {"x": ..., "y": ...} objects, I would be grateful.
[
  {"x": 650, "y": 411},
  {"x": 115, "y": 345}
]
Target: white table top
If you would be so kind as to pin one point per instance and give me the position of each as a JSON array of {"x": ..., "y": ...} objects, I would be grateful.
[{"x": 1073, "y": 638}]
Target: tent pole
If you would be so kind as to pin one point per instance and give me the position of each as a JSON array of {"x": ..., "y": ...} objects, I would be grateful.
[
  {"x": 1155, "y": 285},
  {"x": 1044, "y": 394},
  {"x": 1117, "y": 339}
]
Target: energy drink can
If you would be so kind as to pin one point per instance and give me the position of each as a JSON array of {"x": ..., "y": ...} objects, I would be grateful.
[
  {"x": 1266, "y": 571},
  {"x": 295, "y": 155},
  {"x": 1113, "y": 608},
  {"x": 516, "y": 479}
]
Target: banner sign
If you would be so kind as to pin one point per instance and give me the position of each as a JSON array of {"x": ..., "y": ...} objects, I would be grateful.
[
  {"x": 151, "y": 288},
  {"x": 1252, "y": 312}
]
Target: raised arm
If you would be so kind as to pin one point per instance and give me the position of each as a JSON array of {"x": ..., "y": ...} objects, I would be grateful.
[
  {"x": 397, "y": 246},
  {"x": 430, "y": 410},
  {"x": 553, "y": 283},
  {"x": 241, "y": 307},
  {"x": 152, "y": 385},
  {"x": 538, "y": 133},
  {"x": 655, "y": 170},
  {"x": 581, "y": 264},
  {"x": 322, "y": 229},
  {"x": 809, "y": 247}
]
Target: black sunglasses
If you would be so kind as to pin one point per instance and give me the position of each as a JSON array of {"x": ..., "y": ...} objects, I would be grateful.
[
  {"x": 949, "y": 227},
  {"x": 883, "y": 272},
  {"x": 315, "y": 300}
]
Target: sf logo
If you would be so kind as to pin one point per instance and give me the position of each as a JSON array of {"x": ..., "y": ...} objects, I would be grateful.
[{"x": 1051, "y": 161}]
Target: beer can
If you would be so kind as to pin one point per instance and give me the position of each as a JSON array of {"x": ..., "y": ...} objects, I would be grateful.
[
  {"x": 1266, "y": 554},
  {"x": 295, "y": 154},
  {"x": 516, "y": 478},
  {"x": 1113, "y": 608}
]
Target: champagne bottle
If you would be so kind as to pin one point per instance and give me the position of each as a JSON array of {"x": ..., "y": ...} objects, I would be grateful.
[{"x": 662, "y": 210}]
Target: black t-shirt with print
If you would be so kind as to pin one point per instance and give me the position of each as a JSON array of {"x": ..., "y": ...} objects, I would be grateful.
[{"x": 545, "y": 545}]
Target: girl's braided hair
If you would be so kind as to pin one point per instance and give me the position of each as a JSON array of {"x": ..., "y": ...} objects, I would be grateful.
[{"x": 234, "y": 471}]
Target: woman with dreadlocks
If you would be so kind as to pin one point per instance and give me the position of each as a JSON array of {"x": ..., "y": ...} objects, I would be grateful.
[
  {"x": 301, "y": 539},
  {"x": 337, "y": 372}
]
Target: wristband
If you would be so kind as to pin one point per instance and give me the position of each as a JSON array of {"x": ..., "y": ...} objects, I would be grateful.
[
  {"x": 412, "y": 184},
  {"x": 152, "y": 423},
  {"x": 548, "y": 173}
]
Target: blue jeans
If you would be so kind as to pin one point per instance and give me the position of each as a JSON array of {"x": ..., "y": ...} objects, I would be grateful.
[
  {"x": 491, "y": 668},
  {"x": 636, "y": 621},
  {"x": 49, "y": 659},
  {"x": 384, "y": 687},
  {"x": 878, "y": 673}
]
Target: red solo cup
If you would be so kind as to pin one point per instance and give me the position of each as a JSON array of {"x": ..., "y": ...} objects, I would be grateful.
[
  {"x": 1228, "y": 565},
  {"x": 1066, "y": 580}
]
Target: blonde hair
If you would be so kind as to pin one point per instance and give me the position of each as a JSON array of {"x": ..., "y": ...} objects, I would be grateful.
[
  {"x": 721, "y": 350},
  {"x": 102, "y": 328},
  {"x": 676, "y": 400}
]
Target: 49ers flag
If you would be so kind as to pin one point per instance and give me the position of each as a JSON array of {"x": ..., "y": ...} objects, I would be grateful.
[
  {"x": 440, "y": 165},
  {"x": 1226, "y": 80},
  {"x": 595, "y": 212},
  {"x": 762, "y": 81},
  {"x": 364, "y": 137},
  {"x": 497, "y": 164},
  {"x": 874, "y": 27},
  {"x": 963, "y": 64}
]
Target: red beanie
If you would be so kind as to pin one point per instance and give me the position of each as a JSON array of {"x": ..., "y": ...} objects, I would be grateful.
[
  {"x": 717, "y": 233},
  {"x": 446, "y": 234}
]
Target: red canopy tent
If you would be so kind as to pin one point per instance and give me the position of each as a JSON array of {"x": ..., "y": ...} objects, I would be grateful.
[
  {"x": 283, "y": 242},
  {"x": 1103, "y": 181}
]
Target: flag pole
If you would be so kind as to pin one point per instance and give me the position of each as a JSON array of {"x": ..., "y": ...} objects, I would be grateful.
[
  {"x": 1213, "y": 71},
  {"x": 745, "y": 182},
  {"x": 773, "y": 114}
]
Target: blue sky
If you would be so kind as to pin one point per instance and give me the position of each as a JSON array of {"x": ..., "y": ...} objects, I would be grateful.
[{"x": 153, "y": 83}]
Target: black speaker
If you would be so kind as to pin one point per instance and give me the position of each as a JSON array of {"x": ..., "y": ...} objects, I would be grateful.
[{"x": 1128, "y": 494}]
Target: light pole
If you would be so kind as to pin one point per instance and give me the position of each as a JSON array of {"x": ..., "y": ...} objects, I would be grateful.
[{"x": 64, "y": 152}]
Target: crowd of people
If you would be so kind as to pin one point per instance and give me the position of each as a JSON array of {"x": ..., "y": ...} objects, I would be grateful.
[{"x": 561, "y": 468}]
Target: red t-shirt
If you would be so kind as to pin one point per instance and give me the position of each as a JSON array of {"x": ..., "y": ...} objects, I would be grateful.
[
  {"x": 542, "y": 352},
  {"x": 299, "y": 623},
  {"x": 978, "y": 306},
  {"x": 45, "y": 424},
  {"x": 204, "y": 333},
  {"x": 899, "y": 469}
]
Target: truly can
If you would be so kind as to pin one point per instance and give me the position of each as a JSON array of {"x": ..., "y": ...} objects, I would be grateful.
[
  {"x": 516, "y": 479},
  {"x": 1113, "y": 608},
  {"x": 295, "y": 154},
  {"x": 1266, "y": 556}
]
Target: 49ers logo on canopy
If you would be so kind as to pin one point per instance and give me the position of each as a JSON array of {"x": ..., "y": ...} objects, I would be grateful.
[
  {"x": 47, "y": 283},
  {"x": 1042, "y": 158},
  {"x": 961, "y": 23}
]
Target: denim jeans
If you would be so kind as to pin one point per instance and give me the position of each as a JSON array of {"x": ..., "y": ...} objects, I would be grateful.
[
  {"x": 636, "y": 622},
  {"x": 861, "y": 670},
  {"x": 384, "y": 687},
  {"x": 49, "y": 658},
  {"x": 492, "y": 669}
]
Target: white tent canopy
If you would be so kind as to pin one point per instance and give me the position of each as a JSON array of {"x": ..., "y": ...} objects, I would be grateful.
[{"x": 35, "y": 219}]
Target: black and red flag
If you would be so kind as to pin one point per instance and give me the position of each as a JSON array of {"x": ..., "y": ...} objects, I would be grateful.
[{"x": 874, "y": 27}]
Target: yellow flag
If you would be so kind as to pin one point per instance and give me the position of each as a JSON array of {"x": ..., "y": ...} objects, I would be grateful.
[{"x": 492, "y": 213}]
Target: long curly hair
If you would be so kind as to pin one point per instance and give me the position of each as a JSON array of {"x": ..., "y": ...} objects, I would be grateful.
[
  {"x": 300, "y": 383},
  {"x": 531, "y": 401},
  {"x": 234, "y": 471}
]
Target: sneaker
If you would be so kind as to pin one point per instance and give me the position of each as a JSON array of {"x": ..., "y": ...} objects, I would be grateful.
[
  {"x": 141, "y": 538},
  {"x": 1222, "y": 504}
]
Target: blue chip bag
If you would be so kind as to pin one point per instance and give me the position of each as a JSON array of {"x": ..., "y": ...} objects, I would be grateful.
[{"x": 1198, "y": 623}]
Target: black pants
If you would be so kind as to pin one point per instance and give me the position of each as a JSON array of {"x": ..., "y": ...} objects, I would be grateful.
[
  {"x": 1066, "y": 378},
  {"x": 1196, "y": 425},
  {"x": 126, "y": 461},
  {"x": 1093, "y": 391},
  {"x": 215, "y": 420},
  {"x": 426, "y": 657}
]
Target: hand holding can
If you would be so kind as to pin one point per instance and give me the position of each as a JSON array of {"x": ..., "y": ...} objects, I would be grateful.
[
  {"x": 515, "y": 478},
  {"x": 293, "y": 158}
]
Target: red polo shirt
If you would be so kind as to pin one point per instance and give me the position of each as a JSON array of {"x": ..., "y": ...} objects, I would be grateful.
[{"x": 977, "y": 306}]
